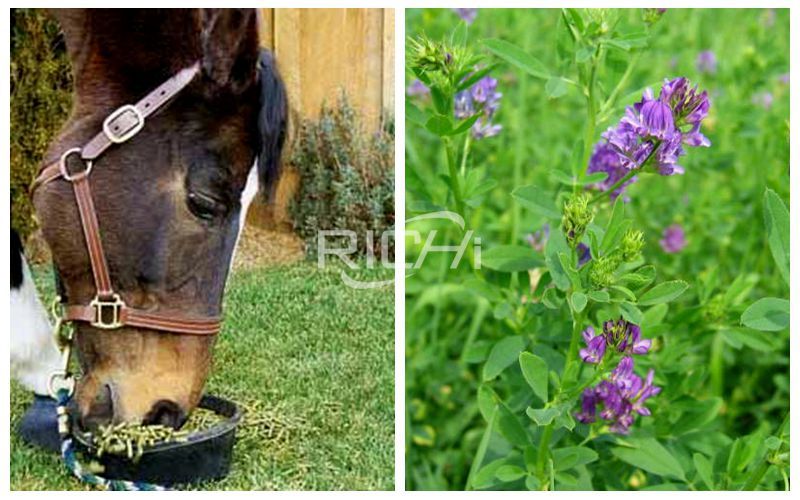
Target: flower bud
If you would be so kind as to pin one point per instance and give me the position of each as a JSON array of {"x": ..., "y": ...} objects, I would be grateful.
[
  {"x": 602, "y": 273},
  {"x": 631, "y": 246},
  {"x": 577, "y": 216}
]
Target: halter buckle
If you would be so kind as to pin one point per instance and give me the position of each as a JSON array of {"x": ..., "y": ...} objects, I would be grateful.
[
  {"x": 123, "y": 123},
  {"x": 107, "y": 312}
]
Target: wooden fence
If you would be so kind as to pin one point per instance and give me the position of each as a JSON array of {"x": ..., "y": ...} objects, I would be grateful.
[{"x": 319, "y": 52}]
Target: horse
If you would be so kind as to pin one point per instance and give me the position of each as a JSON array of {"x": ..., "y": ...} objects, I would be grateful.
[{"x": 169, "y": 201}]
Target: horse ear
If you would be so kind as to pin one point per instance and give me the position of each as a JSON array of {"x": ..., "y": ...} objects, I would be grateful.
[
  {"x": 230, "y": 48},
  {"x": 272, "y": 123}
]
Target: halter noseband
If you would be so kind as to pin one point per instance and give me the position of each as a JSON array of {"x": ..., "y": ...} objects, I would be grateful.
[{"x": 107, "y": 310}]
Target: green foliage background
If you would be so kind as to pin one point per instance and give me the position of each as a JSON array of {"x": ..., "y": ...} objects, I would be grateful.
[
  {"x": 346, "y": 178},
  {"x": 725, "y": 387},
  {"x": 41, "y": 84}
]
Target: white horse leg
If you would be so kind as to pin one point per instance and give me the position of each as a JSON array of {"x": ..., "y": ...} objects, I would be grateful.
[{"x": 34, "y": 355}]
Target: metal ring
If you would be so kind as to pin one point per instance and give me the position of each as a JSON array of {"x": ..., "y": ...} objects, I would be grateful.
[
  {"x": 63, "y": 375},
  {"x": 62, "y": 165}
]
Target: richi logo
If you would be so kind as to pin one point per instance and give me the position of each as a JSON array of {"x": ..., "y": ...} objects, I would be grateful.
[{"x": 330, "y": 244}]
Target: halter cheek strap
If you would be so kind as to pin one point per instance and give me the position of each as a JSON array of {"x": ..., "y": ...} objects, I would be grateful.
[{"x": 107, "y": 310}]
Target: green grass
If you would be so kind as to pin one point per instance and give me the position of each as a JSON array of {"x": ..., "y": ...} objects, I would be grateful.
[{"x": 314, "y": 358}]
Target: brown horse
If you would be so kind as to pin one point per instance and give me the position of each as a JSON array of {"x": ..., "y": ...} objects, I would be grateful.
[{"x": 170, "y": 201}]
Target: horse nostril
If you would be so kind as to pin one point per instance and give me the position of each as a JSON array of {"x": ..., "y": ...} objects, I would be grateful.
[
  {"x": 165, "y": 413},
  {"x": 101, "y": 409}
]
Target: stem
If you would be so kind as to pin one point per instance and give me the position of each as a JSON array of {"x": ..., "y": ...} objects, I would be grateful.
[
  {"x": 465, "y": 153},
  {"x": 612, "y": 97},
  {"x": 454, "y": 181},
  {"x": 544, "y": 445},
  {"x": 591, "y": 121},
  {"x": 758, "y": 472},
  {"x": 715, "y": 364},
  {"x": 482, "y": 447}
]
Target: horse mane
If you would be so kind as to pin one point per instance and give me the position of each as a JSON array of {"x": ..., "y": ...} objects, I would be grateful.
[{"x": 272, "y": 123}]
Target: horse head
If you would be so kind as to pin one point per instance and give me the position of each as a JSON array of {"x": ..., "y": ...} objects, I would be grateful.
[{"x": 170, "y": 202}]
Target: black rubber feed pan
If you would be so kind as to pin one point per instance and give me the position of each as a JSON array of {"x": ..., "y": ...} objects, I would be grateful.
[{"x": 204, "y": 456}]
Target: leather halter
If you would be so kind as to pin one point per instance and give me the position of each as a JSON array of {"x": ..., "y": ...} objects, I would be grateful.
[{"x": 107, "y": 310}]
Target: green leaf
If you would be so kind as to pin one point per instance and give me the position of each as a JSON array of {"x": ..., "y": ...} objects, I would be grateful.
[
  {"x": 511, "y": 258},
  {"x": 704, "y": 470},
  {"x": 414, "y": 114},
  {"x": 571, "y": 272},
  {"x": 505, "y": 352},
  {"x": 508, "y": 473},
  {"x": 579, "y": 301},
  {"x": 614, "y": 230},
  {"x": 474, "y": 77},
  {"x": 536, "y": 200},
  {"x": 441, "y": 103},
  {"x": 738, "y": 337},
  {"x": 439, "y": 125},
  {"x": 487, "y": 401},
  {"x": 572, "y": 456},
  {"x": 465, "y": 125},
  {"x": 768, "y": 315},
  {"x": 654, "y": 315},
  {"x": 516, "y": 56},
  {"x": 552, "y": 299},
  {"x": 535, "y": 370},
  {"x": 599, "y": 296},
  {"x": 543, "y": 416},
  {"x": 648, "y": 454},
  {"x": 557, "y": 245},
  {"x": 663, "y": 292},
  {"x": 555, "y": 87},
  {"x": 777, "y": 220},
  {"x": 699, "y": 414},
  {"x": 510, "y": 427},
  {"x": 485, "y": 477},
  {"x": 631, "y": 313}
]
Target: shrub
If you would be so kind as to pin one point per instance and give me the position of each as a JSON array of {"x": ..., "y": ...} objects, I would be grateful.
[
  {"x": 346, "y": 178},
  {"x": 40, "y": 101}
]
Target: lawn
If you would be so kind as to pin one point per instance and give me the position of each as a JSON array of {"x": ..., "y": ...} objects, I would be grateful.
[{"x": 314, "y": 362}]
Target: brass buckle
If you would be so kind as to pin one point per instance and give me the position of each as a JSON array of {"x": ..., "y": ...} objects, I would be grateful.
[
  {"x": 112, "y": 131},
  {"x": 104, "y": 307}
]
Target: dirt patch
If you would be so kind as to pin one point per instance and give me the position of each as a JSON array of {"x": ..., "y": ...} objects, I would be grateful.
[{"x": 260, "y": 247}]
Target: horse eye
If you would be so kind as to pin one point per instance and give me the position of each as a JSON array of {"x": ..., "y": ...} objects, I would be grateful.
[{"x": 205, "y": 207}]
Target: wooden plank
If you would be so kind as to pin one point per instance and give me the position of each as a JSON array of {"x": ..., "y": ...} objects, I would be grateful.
[
  {"x": 266, "y": 28},
  {"x": 387, "y": 100}
]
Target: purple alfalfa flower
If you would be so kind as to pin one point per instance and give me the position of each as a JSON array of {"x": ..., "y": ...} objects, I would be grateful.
[
  {"x": 481, "y": 98},
  {"x": 484, "y": 128},
  {"x": 620, "y": 397},
  {"x": 606, "y": 159},
  {"x": 634, "y": 343},
  {"x": 417, "y": 89},
  {"x": 784, "y": 78},
  {"x": 538, "y": 239},
  {"x": 467, "y": 15},
  {"x": 654, "y": 131},
  {"x": 689, "y": 107},
  {"x": 584, "y": 254},
  {"x": 762, "y": 99},
  {"x": 595, "y": 347},
  {"x": 706, "y": 62},
  {"x": 620, "y": 335},
  {"x": 588, "y": 413},
  {"x": 650, "y": 118},
  {"x": 674, "y": 239}
]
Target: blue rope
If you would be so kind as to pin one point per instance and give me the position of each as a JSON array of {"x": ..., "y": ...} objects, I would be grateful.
[{"x": 70, "y": 458}]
